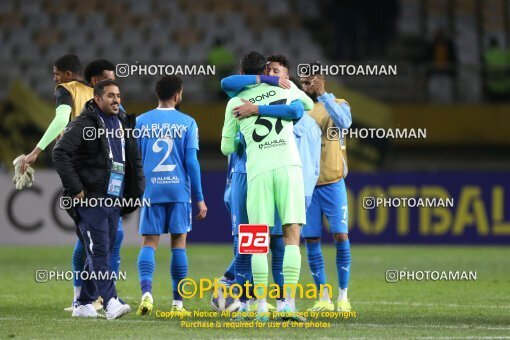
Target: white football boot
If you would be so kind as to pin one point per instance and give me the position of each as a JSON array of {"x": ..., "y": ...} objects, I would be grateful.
[{"x": 115, "y": 309}]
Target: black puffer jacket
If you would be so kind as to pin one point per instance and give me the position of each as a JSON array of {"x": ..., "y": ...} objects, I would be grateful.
[{"x": 84, "y": 164}]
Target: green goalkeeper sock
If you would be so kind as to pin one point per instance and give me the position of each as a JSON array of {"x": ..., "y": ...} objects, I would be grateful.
[
  {"x": 260, "y": 272},
  {"x": 291, "y": 270}
]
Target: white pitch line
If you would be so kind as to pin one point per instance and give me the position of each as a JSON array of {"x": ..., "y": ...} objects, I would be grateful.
[
  {"x": 419, "y": 304},
  {"x": 71, "y": 319},
  {"x": 463, "y": 326},
  {"x": 464, "y": 337},
  {"x": 8, "y": 318},
  {"x": 120, "y": 320}
]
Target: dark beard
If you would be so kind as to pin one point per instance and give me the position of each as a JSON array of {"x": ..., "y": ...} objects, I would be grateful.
[{"x": 313, "y": 96}]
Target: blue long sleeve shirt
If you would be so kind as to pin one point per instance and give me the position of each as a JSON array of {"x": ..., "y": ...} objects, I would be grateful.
[
  {"x": 340, "y": 113},
  {"x": 193, "y": 169}
]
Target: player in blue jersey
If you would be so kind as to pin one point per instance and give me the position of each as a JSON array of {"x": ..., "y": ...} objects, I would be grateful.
[
  {"x": 307, "y": 134},
  {"x": 329, "y": 200},
  {"x": 168, "y": 143}
]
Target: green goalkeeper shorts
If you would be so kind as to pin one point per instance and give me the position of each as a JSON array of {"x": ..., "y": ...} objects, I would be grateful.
[{"x": 281, "y": 188}]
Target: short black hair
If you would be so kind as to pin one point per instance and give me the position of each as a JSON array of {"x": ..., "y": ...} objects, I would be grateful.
[
  {"x": 95, "y": 68},
  {"x": 68, "y": 62},
  {"x": 99, "y": 87},
  {"x": 279, "y": 58},
  {"x": 168, "y": 86},
  {"x": 253, "y": 63}
]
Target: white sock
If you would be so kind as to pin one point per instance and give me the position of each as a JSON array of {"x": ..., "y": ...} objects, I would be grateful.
[
  {"x": 77, "y": 290},
  {"x": 149, "y": 295},
  {"x": 325, "y": 295},
  {"x": 279, "y": 305},
  {"x": 177, "y": 303},
  {"x": 291, "y": 302},
  {"x": 342, "y": 293},
  {"x": 262, "y": 305}
]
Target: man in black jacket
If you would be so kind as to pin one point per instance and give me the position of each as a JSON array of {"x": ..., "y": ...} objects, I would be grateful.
[{"x": 97, "y": 163}]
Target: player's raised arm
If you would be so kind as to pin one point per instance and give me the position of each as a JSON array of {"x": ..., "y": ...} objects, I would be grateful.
[
  {"x": 230, "y": 129},
  {"x": 292, "y": 111},
  {"x": 277, "y": 68},
  {"x": 338, "y": 109},
  {"x": 232, "y": 85}
]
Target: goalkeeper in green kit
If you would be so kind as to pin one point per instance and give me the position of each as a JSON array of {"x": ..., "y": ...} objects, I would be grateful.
[{"x": 275, "y": 178}]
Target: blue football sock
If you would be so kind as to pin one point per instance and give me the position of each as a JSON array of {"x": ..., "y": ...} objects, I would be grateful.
[
  {"x": 316, "y": 263},
  {"x": 178, "y": 269},
  {"x": 146, "y": 264},
  {"x": 78, "y": 262},
  {"x": 115, "y": 257},
  {"x": 343, "y": 262},
  {"x": 243, "y": 270},
  {"x": 277, "y": 250},
  {"x": 230, "y": 273}
]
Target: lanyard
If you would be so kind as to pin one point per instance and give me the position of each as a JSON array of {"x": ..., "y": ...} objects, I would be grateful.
[{"x": 122, "y": 141}]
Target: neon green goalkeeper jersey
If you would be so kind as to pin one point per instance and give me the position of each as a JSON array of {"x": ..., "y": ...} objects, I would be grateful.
[{"x": 270, "y": 142}]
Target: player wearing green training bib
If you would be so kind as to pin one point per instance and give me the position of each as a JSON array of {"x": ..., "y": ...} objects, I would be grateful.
[
  {"x": 273, "y": 164},
  {"x": 273, "y": 169}
]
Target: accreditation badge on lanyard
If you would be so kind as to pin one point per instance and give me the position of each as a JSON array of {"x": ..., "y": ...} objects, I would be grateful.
[{"x": 117, "y": 169}]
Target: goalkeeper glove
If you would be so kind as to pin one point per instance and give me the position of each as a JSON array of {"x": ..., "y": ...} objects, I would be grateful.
[
  {"x": 22, "y": 180},
  {"x": 17, "y": 168},
  {"x": 26, "y": 180}
]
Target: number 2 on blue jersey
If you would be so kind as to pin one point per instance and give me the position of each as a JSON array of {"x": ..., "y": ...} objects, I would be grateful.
[{"x": 156, "y": 148}]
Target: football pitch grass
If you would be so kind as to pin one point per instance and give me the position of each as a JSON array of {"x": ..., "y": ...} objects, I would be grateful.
[{"x": 406, "y": 309}]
